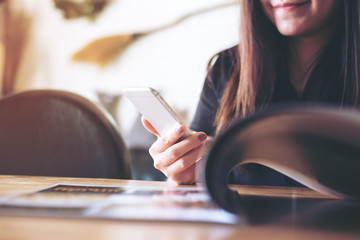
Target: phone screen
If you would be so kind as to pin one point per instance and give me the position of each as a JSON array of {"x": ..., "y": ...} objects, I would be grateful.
[{"x": 154, "y": 108}]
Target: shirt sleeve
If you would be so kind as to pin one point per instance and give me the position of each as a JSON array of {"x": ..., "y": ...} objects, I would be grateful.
[
  {"x": 212, "y": 92},
  {"x": 206, "y": 110}
]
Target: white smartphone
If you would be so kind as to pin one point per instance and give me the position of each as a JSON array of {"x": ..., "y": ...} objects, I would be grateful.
[{"x": 155, "y": 109}]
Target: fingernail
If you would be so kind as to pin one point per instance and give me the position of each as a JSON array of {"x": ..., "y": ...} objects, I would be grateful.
[
  {"x": 180, "y": 130},
  {"x": 202, "y": 137}
]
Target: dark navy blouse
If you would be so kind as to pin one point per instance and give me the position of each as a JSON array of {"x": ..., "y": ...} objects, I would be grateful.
[{"x": 284, "y": 91}]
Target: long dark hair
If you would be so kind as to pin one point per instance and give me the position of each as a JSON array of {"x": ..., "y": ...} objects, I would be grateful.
[{"x": 261, "y": 59}]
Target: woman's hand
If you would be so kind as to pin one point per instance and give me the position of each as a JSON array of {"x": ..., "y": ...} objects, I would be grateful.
[{"x": 177, "y": 160}]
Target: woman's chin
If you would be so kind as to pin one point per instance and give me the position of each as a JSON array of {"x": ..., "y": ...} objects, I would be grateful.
[{"x": 292, "y": 31}]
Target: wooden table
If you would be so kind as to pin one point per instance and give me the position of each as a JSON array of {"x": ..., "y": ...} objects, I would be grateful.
[{"x": 323, "y": 219}]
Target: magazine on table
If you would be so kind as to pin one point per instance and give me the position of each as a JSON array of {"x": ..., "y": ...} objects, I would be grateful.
[{"x": 118, "y": 202}]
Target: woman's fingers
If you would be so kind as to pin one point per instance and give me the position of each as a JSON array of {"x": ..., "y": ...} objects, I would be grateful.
[
  {"x": 167, "y": 152},
  {"x": 148, "y": 126},
  {"x": 169, "y": 139},
  {"x": 183, "y": 163},
  {"x": 176, "y": 159}
]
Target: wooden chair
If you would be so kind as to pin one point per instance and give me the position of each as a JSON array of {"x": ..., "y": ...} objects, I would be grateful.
[{"x": 58, "y": 133}]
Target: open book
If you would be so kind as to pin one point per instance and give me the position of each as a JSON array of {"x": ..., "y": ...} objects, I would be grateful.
[{"x": 318, "y": 146}]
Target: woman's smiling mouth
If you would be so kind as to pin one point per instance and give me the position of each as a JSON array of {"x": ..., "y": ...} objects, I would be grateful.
[{"x": 290, "y": 5}]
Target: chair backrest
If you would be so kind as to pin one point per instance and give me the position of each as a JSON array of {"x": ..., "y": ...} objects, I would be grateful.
[{"x": 58, "y": 133}]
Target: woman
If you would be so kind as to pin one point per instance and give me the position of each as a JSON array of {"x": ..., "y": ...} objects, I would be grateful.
[{"x": 289, "y": 50}]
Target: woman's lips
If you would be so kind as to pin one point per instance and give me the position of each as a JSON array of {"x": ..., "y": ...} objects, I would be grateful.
[{"x": 290, "y": 5}]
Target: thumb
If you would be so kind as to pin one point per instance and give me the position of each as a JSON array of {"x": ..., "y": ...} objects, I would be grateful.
[{"x": 148, "y": 126}]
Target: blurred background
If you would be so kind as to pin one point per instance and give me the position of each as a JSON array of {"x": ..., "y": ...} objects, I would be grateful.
[{"x": 97, "y": 47}]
